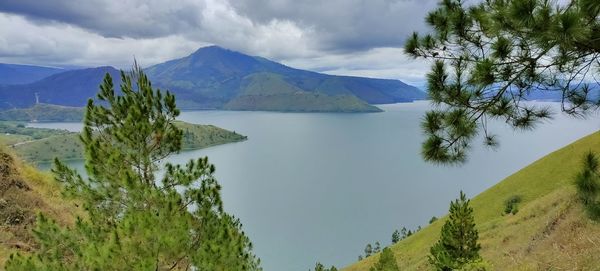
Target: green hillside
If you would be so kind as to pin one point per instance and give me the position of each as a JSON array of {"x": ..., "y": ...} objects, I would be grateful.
[
  {"x": 44, "y": 113},
  {"x": 214, "y": 77},
  {"x": 25, "y": 192},
  {"x": 550, "y": 231},
  {"x": 67, "y": 146},
  {"x": 271, "y": 92}
]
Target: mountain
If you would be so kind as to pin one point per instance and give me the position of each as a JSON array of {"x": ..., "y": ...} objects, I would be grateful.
[
  {"x": 217, "y": 78},
  {"x": 214, "y": 77},
  {"x": 550, "y": 231},
  {"x": 70, "y": 88},
  {"x": 12, "y": 74}
]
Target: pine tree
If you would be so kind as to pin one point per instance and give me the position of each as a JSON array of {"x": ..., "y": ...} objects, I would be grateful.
[
  {"x": 368, "y": 250},
  {"x": 395, "y": 237},
  {"x": 457, "y": 245},
  {"x": 321, "y": 267},
  {"x": 377, "y": 248},
  {"x": 133, "y": 220},
  {"x": 588, "y": 185},
  {"x": 386, "y": 262},
  {"x": 489, "y": 56}
]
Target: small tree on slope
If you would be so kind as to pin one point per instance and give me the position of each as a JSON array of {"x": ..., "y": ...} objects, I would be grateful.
[
  {"x": 588, "y": 185},
  {"x": 133, "y": 220},
  {"x": 387, "y": 261},
  {"x": 457, "y": 245}
]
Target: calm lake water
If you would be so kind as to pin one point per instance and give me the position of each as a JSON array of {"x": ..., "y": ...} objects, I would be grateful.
[{"x": 319, "y": 187}]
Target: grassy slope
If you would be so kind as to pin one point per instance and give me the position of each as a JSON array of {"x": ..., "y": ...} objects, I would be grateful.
[
  {"x": 24, "y": 192},
  {"x": 68, "y": 146},
  {"x": 44, "y": 113},
  {"x": 268, "y": 91},
  {"x": 550, "y": 231}
]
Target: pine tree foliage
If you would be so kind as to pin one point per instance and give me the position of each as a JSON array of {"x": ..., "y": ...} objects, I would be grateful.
[
  {"x": 490, "y": 55},
  {"x": 395, "y": 237},
  {"x": 368, "y": 250},
  {"x": 457, "y": 245},
  {"x": 386, "y": 262},
  {"x": 588, "y": 185},
  {"x": 320, "y": 267},
  {"x": 137, "y": 218}
]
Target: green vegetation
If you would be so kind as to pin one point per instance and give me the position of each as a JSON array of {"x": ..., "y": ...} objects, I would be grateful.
[
  {"x": 43, "y": 113},
  {"x": 550, "y": 231},
  {"x": 271, "y": 92},
  {"x": 321, "y": 267},
  {"x": 458, "y": 244},
  {"x": 25, "y": 192},
  {"x": 300, "y": 102},
  {"x": 490, "y": 56},
  {"x": 132, "y": 220},
  {"x": 43, "y": 145},
  {"x": 395, "y": 237},
  {"x": 588, "y": 185},
  {"x": 8, "y": 128},
  {"x": 386, "y": 262},
  {"x": 511, "y": 204}
]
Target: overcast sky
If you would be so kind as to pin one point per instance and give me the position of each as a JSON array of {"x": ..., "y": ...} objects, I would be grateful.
[{"x": 350, "y": 37}]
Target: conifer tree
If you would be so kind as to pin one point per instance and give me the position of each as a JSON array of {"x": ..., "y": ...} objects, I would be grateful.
[
  {"x": 321, "y": 267},
  {"x": 386, "y": 262},
  {"x": 489, "y": 56},
  {"x": 377, "y": 248},
  {"x": 368, "y": 250},
  {"x": 588, "y": 185},
  {"x": 395, "y": 237},
  {"x": 136, "y": 218},
  {"x": 457, "y": 245}
]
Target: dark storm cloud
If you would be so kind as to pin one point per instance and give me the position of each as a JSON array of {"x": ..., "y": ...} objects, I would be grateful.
[
  {"x": 335, "y": 25},
  {"x": 346, "y": 25},
  {"x": 136, "y": 19}
]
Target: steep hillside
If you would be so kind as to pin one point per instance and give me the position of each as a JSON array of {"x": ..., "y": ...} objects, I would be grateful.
[
  {"x": 24, "y": 192},
  {"x": 213, "y": 77},
  {"x": 550, "y": 231},
  {"x": 13, "y": 74}
]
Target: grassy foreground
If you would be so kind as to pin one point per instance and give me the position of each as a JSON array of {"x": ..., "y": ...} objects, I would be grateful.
[
  {"x": 25, "y": 192},
  {"x": 67, "y": 146},
  {"x": 550, "y": 231}
]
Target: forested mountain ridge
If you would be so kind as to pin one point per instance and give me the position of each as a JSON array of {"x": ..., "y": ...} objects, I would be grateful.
[
  {"x": 217, "y": 78},
  {"x": 11, "y": 74}
]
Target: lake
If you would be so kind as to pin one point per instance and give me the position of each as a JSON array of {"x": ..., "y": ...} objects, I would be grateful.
[{"x": 320, "y": 186}]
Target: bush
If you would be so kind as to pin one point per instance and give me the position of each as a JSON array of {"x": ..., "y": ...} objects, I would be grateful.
[{"x": 510, "y": 205}]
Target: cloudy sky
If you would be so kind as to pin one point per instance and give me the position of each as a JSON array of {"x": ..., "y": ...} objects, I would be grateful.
[{"x": 351, "y": 37}]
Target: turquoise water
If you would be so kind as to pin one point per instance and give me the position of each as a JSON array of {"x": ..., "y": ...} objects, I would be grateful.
[{"x": 319, "y": 187}]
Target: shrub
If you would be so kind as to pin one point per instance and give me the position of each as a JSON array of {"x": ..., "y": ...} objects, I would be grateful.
[{"x": 510, "y": 205}]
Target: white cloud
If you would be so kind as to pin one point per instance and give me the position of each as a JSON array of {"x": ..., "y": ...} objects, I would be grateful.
[
  {"x": 389, "y": 63},
  {"x": 22, "y": 41},
  {"x": 358, "y": 38}
]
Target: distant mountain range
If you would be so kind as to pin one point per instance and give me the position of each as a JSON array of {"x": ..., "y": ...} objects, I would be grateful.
[
  {"x": 217, "y": 78},
  {"x": 11, "y": 74}
]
